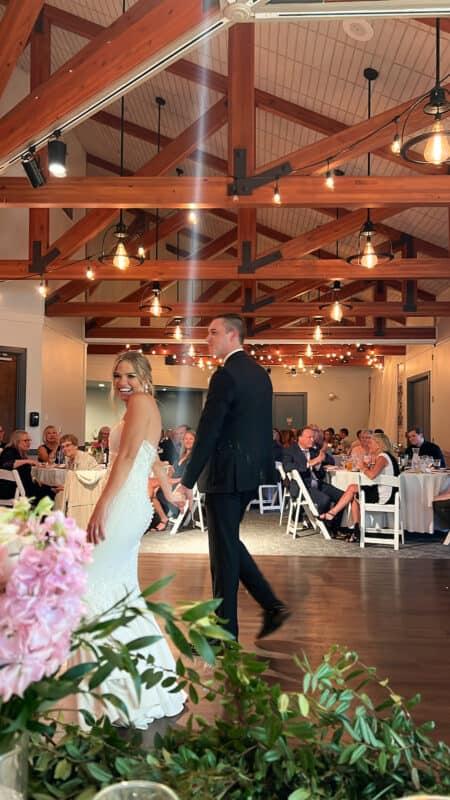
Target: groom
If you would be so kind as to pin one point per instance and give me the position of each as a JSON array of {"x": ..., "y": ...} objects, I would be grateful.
[{"x": 233, "y": 450}]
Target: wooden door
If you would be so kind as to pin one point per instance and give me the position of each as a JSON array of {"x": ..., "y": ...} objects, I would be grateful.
[
  {"x": 419, "y": 403},
  {"x": 8, "y": 392}
]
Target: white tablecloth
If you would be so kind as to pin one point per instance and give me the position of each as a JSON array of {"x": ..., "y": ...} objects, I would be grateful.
[
  {"x": 51, "y": 476},
  {"x": 417, "y": 491}
]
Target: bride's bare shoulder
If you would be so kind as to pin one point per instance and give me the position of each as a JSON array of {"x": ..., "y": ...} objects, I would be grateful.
[{"x": 141, "y": 403}]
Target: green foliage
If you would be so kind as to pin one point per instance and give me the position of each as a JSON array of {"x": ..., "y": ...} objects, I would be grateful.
[{"x": 331, "y": 739}]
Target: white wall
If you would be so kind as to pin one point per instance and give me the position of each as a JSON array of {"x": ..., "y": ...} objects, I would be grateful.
[
  {"x": 63, "y": 370},
  {"x": 349, "y": 386}
]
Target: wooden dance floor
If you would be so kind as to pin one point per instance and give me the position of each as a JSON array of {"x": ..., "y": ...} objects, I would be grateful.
[{"x": 394, "y": 612}]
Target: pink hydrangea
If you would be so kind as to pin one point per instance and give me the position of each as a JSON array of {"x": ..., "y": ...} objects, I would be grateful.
[{"x": 41, "y": 592}]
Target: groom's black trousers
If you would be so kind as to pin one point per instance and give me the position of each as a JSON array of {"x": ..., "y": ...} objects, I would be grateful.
[{"x": 229, "y": 558}]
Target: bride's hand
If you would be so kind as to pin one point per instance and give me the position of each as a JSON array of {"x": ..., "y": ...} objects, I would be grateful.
[
  {"x": 182, "y": 494},
  {"x": 96, "y": 526}
]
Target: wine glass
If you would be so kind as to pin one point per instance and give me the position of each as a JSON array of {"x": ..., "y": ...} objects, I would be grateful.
[{"x": 136, "y": 790}]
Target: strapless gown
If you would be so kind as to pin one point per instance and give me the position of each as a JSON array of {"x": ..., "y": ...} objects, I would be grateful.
[{"x": 112, "y": 574}]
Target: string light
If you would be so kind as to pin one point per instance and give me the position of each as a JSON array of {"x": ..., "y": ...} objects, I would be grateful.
[
  {"x": 43, "y": 288},
  {"x": 276, "y": 195},
  {"x": 309, "y": 351},
  {"x": 396, "y": 143},
  {"x": 329, "y": 179},
  {"x": 191, "y": 351},
  {"x": 90, "y": 274},
  {"x": 192, "y": 217}
]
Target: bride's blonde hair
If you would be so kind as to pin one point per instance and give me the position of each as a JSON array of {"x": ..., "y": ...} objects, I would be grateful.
[{"x": 141, "y": 366}]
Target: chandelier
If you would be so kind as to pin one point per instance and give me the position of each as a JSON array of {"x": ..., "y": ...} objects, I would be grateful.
[{"x": 432, "y": 146}]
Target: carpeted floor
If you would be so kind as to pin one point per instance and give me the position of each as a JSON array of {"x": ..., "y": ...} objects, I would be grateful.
[{"x": 263, "y": 536}]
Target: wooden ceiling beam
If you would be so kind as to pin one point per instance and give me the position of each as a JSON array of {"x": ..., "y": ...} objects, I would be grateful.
[
  {"x": 339, "y": 148},
  {"x": 144, "y": 191},
  {"x": 216, "y": 246},
  {"x": 227, "y": 269},
  {"x": 294, "y": 309},
  {"x": 300, "y": 334},
  {"x": 16, "y": 26},
  {"x": 87, "y": 227},
  {"x": 147, "y": 135},
  {"x": 134, "y": 39}
]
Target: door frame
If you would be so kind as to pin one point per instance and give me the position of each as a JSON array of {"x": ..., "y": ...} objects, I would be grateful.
[
  {"x": 21, "y": 381},
  {"x": 410, "y": 381},
  {"x": 291, "y": 394}
]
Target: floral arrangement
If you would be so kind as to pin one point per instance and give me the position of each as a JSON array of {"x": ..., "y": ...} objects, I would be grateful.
[{"x": 43, "y": 557}]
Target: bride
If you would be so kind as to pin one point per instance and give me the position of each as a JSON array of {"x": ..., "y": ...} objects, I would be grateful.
[{"x": 119, "y": 519}]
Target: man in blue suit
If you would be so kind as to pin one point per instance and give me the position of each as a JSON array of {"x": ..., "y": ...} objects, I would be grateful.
[{"x": 232, "y": 456}]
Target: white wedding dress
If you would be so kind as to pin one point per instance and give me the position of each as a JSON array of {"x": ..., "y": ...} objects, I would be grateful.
[{"x": 113, "y": 574}]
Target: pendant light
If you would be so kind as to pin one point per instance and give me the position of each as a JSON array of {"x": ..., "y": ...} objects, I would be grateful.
[
  {"x": 432, "y": 146},
  {"x": 336, "y": 307},
  {"x": 151, "y": 301},
  {"x": 318, "y": 335},
  {"x": 367, "y": 256},
  {"x": 119, "y": 256}
]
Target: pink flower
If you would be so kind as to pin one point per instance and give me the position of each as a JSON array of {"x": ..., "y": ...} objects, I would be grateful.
[{"x": 41, "y": 604}]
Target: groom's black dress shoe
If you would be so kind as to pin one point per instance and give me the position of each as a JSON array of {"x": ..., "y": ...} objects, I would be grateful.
[{"x": 273, "y": 618}]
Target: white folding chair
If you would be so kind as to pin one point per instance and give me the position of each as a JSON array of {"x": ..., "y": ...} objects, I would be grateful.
[
  {"x": 304, "y": 503},
  {"x": 197, "y": 509},
  {"x": 176, "y": 524},
  {"x": 374, "y": 532},
  {"x": 268, "y": 499},
  {"x": 12, "y": 476},
  {"x": 285, "y": 494}
]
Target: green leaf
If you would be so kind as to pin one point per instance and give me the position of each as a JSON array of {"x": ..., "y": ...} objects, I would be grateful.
[
  {"x": 99, "y": 773},
  {"x": 63, "y": 770},
  {"x": 100, "y": 675},
  {"x": 203, "y": 647},
  {"x": 143, "y": 641},
  {"x": 87, "y": 794},
  {"x": 78, "y": 671},
  {"x": 359, "y": 751},
  {"x": 200, "y": 610},
  {"x": 178, "y": 638},
  {"x": 193, "y": 693},
  {"x": 283, "y": 703},
  {"x": 300, "y": 794},
  {"x": 155, "y": 587},
  {"x": 303, "y": 705}
]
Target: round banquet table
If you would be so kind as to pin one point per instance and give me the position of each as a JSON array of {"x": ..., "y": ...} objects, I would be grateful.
[
  {"x": 51, "y": 476},
  {"x": 417, "y": 491}
]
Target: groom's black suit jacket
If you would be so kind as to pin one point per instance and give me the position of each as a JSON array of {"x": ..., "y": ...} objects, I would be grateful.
[{"x": 233, "y": 447}]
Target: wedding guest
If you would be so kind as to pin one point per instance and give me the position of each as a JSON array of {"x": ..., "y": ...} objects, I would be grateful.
[
  {"x": 417, "y": 439},
  {"x": 361, "y": 451},
  {"x": 15, "y": 456},
  {"x": 49, "y": 450},
  {"x": 75, "y": 458}
]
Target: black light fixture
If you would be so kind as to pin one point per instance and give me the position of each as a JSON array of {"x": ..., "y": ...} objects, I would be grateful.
[
  {"x": 336, "y": 307},
  {"x": 433, "y": 145},
  {"x": 30, "y": 163},
  {"x": 151, "y": 303},
  {"x": 367, "y": 256},
  {"x": 57, "y": 151}
]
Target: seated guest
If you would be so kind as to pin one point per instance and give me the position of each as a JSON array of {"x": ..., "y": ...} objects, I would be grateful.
[
  {"x": 287, "y": 437},
  {"x": 2, "y": 436},
  {"x": 320, "y": 445},
  {"x": 310, "y": 467},
  {"x": 49, "y": 450},
  {"x": 345, "y": 443},
  {"x": 103, "y": 440},
  {"x": 186, "y": 452},
  {"x": 15, "y": 456},
  {"x": 73, "y": 457},
  {"x": 362, "y": 449},
  {"x": 417, "y": 439},
  {"x": 380, "y": 449},
  {"x": 170, "y": 448}
]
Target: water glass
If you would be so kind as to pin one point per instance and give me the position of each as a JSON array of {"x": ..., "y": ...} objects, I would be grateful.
[
  {"x": 437, "y": 463},
  {"x": 136, "y": 790}
]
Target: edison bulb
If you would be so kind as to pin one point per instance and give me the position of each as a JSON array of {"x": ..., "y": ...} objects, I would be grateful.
[
  {"x": 309, "y": 351},
  {"x": 121, "y": 260},
  {"x": 317, "y": 335},
  {"x": 155, "y": 307},
  {"x": 369, "y": 257},
  {"x": 437, "y": 149},
  {"x": 336, "y": 312},
  {"x": 177, "y": 333},
  {"x": 329, "y": 180}
]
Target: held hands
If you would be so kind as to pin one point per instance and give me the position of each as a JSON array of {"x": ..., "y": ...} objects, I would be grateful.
[{"x": 184, "y": 494}]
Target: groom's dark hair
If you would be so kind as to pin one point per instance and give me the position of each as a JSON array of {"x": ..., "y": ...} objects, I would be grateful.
[{"x": 234, "y": 322}]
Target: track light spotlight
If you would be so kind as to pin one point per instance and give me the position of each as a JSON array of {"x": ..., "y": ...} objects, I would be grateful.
[
  {"x": 30, "y": 163},
  {"x": 57, "y": 156}
]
